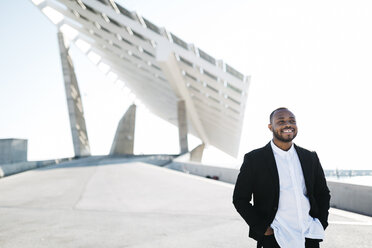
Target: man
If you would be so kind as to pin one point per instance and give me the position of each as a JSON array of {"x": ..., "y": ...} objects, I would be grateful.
[{"x": 290, "y": 195}]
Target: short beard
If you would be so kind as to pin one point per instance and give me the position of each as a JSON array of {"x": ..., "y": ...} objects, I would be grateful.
[{"x": 281, "y": 138}]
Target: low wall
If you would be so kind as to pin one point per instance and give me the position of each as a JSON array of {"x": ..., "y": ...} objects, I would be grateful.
[
  {"x": 350, "y": 197},
  {"x": 10, "y": 169},
  {"x": 223, "y": 174}
]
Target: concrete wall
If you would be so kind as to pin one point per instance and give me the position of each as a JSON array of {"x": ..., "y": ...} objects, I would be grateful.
[
  {"x": 13, "y": 151},
  {"x": 350, "y": 197},
  {"x": 14, "y": 168}
]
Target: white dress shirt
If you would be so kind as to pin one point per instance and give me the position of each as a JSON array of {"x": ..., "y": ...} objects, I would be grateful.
[{"x": 292, "y": 222}]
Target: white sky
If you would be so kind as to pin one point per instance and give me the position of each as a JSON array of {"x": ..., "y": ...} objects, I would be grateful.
[{"x": 314, "y": 57}]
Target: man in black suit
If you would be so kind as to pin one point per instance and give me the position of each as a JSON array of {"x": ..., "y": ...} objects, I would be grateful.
[{"x": 290, "y": 195}]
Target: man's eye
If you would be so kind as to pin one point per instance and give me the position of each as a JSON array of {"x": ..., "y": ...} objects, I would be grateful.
[{"x": 292, "y": 121}]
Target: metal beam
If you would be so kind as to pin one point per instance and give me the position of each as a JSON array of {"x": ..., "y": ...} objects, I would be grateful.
[{"x": 182, "y": 126}]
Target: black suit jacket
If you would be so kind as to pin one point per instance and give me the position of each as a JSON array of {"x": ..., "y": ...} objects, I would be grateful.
[{"x": 259, "y": 178}]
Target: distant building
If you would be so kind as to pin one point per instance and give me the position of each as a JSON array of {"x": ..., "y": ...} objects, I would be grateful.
[{"x": 13, "y": 151}]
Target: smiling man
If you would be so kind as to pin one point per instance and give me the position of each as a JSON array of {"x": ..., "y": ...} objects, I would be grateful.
[{"x": 290, "y": 195}]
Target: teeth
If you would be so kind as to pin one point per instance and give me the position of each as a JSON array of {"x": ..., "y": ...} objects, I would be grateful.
[{"x": 287, "y": 131}]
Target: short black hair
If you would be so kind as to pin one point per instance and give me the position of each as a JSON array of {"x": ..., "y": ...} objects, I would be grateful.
[{"x": 272, "y": 113}]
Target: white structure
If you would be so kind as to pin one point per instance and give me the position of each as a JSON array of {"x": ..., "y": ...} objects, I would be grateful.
[{"x": 159, "y": 67}]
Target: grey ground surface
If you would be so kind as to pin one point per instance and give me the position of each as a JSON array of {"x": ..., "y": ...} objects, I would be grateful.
[{"x": 134, "y": 204}]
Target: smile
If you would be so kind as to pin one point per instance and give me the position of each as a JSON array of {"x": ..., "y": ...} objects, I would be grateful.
[{"x": 288, "y": 130}]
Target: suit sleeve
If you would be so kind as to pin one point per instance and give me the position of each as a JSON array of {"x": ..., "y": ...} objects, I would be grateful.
[
  {"x": 322, "y": 193},
  {"x": 242, "y": 197}
]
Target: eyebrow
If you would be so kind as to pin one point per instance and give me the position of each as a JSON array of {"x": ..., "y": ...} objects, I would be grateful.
[{"x": 291, "y": 117}]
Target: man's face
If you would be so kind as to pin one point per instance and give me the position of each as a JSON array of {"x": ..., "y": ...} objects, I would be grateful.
[{"x": 283, "y": 125}]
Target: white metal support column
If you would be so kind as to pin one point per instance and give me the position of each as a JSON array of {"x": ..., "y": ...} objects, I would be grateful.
[
  {"x": 124, "y": 138},
  {"x": 196, "y": 154},
  {"x": 182, "y": 126}
]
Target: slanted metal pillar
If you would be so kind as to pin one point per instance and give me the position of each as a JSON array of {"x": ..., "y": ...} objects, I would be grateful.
[
  {"x": 182, "y": 126},
  {"x": 169, "y": 66},
  {"x": 124, "y": 138},
  {"x": 74, "y": 103}
]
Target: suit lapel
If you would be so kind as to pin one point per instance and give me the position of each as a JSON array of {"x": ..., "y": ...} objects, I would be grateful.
[
  {"x": 270, "y": 161},
  {"x": 305, "y": 165}
]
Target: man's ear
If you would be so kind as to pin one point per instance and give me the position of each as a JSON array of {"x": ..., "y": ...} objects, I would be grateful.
[{"x": 270, "y": 127}]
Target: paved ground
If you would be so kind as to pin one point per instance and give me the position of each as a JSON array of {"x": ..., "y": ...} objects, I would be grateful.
[{"x": 134, "y": 204}]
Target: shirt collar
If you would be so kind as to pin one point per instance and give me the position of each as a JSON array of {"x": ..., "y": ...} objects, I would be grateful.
[{"x": 281, "y": 152}]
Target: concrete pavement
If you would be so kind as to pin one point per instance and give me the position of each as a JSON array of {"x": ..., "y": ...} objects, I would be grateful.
[{"x": 134, "y": 204}]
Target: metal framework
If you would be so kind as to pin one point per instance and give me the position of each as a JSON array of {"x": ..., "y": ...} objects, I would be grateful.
[{"x": 158, "y": 66}]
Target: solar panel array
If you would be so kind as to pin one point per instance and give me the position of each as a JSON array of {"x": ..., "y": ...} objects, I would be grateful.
[{"x": 130, "y": 48}]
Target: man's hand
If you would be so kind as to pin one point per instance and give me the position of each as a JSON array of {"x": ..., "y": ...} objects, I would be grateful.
[{"x": 269, "y": 231}]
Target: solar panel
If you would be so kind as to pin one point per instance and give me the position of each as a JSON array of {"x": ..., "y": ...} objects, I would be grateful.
[{"x": 161, "y": 68}]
